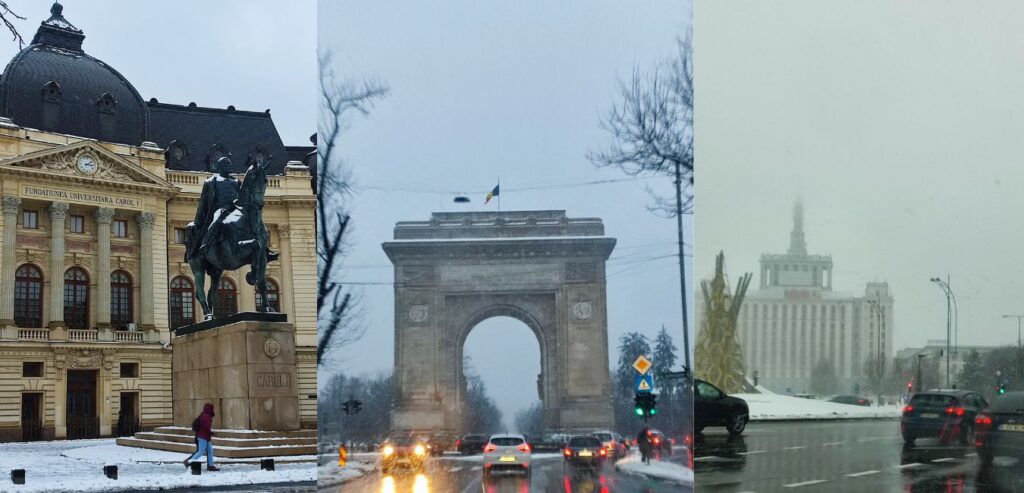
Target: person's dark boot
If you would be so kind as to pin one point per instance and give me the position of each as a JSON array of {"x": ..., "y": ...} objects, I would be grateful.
[
  {"x": 186, "y": 463},
  {"x": 212, "y": 468}
]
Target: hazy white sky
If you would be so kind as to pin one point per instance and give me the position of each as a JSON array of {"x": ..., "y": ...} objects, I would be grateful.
[
  {"x": 482, "y": 91},
  {"x": 254, "y": 54},
  {"x": 898, "y": 123}
]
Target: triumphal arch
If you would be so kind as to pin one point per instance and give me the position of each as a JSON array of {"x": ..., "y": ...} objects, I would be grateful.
[{"x": 460, "y": 268}]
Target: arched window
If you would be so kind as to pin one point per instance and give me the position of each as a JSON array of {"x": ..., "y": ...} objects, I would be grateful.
[
  {"x": 182, "y": 294},
  {"x": 28, "y": 297},
  {"x": 273, "y": 296},
  {"x": 106, "y": 103},
  {"x": 52, "y": 92},
  {"x": 227, "y": 299},
  {"x": 120, "y": 299},
  {"x": 76, "y": 298}
]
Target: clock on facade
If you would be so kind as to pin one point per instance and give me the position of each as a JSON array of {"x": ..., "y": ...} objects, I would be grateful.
[{"x": 87, "y": 164}]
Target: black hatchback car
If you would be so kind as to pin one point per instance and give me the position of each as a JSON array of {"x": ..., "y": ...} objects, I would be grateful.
[
  {"x": 999, "y": 428},
  {"x": 712, "y": 407},
  {"x": 944, "y": 414},
  {"x": 472, "y": 444}
]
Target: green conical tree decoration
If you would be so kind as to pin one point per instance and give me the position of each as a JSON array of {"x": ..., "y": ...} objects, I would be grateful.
[{"x": 719, "y": 359}]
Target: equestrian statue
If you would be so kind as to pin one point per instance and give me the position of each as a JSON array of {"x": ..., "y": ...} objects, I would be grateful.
[{"x": 228, "y": 232}]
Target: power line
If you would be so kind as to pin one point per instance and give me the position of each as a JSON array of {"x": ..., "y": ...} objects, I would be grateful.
[{"x": 440, "y": 191}]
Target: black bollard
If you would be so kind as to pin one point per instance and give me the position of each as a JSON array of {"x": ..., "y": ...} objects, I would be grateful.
[
  {"x": 18, "y": 476},
  {"x": 110, "y": 472},
  {"x": 197, "y": 468},
  {"x": 267, "y": 464}
]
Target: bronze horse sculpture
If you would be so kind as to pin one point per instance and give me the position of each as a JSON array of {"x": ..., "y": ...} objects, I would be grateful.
[{"x": 241, "y": 240}]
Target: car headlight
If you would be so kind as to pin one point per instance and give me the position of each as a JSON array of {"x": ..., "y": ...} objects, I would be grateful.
[
  {"x": 388, "y": 450},
  {"x": 419, "y": 450}
]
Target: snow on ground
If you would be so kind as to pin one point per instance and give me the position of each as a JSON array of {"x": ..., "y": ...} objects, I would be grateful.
[
  {"x": 77, "y": 466},
  {"x": 665, "y": 471},
  {"x": 770, "y": 406},
  {"x": 329, "y": 474}
]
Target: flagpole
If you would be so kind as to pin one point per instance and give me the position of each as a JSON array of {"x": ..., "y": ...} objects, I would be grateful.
[{"x": 499, "y": 194}]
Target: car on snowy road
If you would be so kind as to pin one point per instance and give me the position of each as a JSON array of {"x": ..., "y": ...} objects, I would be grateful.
[{"x": 712, "y": 407}]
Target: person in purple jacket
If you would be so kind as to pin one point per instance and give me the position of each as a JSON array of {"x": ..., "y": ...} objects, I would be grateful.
[{"x": 203, "y": 427}]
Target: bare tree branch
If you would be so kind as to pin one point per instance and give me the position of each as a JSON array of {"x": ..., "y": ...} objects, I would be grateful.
[
  {"x": 5, "y": 15},
  {"x": 337, "y": 319},
  {"x": 652, "y": 126}
]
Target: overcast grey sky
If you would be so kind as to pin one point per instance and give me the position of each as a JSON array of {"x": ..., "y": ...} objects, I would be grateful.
[
  {"x": 488, "y": 90},
  {"x": 253, "y": 54},
  {"x": 898, "y": 123}
]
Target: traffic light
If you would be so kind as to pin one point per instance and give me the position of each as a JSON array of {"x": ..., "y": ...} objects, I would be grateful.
[
  {"x": 639, "y": 404},
  {"x": 652, "y": 408},
  {"x": 356, "y": 407},
  {"x": 1002, "y": 388},
  {"x": 645, "y": 404}
]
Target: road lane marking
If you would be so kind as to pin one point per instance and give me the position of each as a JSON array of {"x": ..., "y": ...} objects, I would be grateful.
[
  {"x": 862, "y": 473},
  {"x": 706, "y": 457},
  {"x": 945, "y": 459},
  {"x": 798, "y": 447},
  {"x": 831, "y": 444},
  {"x": 805, "y": 483},
  {"x": 972, "y": 454},
  {"x": 752, "y": 452},
  {"x": 477, "y": 468},
  {"x": 455, "y": 469},
  {"x": 912, "y": 464}
]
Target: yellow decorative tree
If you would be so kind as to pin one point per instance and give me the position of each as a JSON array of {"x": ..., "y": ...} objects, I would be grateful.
[{"x": 718, "y": 356}]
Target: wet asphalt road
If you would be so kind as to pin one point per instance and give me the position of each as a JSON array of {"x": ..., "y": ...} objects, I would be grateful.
[
  {"x": 459, "y": 475},
  {"x": 842, "y": 456}
]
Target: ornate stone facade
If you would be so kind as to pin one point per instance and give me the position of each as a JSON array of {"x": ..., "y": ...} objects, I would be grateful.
[{"x": 539, "y": 267}]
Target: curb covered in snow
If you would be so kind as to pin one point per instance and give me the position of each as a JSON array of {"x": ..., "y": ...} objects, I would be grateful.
[{"x": 664, "y": 471}]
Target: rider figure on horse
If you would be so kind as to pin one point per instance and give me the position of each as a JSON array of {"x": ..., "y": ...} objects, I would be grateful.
[{"x": 216, "y": 202}]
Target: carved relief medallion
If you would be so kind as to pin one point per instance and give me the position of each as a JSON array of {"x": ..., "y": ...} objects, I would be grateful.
[
  {"x": 582, "y": 310},
  {"x": 272, "y": 347},
  {"x": 419, "y": 313}
]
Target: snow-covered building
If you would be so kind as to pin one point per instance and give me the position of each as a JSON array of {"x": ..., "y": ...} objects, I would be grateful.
[{"x": 795, "y": 321}]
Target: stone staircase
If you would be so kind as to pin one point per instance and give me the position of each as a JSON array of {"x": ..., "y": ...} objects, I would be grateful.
[{"x": 232, "y": 444}]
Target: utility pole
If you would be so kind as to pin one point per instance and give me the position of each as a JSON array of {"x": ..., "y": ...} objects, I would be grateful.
[
  {"x": 1019, "y": 318},
  {"x": 949, "y": 312},
  {"x": 682, "y": 266}
]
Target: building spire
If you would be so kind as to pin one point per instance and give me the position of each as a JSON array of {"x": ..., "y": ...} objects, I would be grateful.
[
  {"x": 797, "y": 245},
  {"x": 57, "y": 31}
]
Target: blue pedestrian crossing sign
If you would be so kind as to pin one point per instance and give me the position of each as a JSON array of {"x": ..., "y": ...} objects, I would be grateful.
[{"x": 644, "y": 383}]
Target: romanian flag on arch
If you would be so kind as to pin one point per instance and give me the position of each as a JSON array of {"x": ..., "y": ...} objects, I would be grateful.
[{"x": 492, "y": 194}]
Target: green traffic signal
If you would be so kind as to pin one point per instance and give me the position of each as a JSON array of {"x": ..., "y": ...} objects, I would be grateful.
[{"x": 639, "y": 411}]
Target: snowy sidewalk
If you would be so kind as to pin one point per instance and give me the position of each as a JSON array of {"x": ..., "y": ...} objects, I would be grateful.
[
  {"x": 77, "y": 466},
  {"x": 665, "y": 471},
  {"x": 768, "y": 406}
]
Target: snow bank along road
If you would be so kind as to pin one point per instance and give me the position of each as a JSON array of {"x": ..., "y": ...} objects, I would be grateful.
[
  {"x": 77, "y": 466},
  {"x": 841, "y": 456},
  {"x": 768, "y": 406}
]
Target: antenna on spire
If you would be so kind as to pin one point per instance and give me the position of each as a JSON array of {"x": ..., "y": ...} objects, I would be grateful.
[{"x": 797, "y": 245}]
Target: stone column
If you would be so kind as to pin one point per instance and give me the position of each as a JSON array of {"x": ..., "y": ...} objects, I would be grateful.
[
  {"x": 11, "y": 205},
  {"x": 146, "y": 221},
  {"x": 285, "y": 296},
  {"x": 104, "y": 216},
  {"x": 58, "y": 212}
]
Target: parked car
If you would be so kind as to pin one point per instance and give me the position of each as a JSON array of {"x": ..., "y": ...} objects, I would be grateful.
[
  {"x": 944, "y": 414},
  {"x": 612, "y": 442},
  {"x": 506, "y": 452},
  {"x": 999, "y": 429},
  {"x": 712, "y": 407},
  {"x": 584, "y": 452},
  {"x": 402, "y": 451},
  {"x": 471, "y": 444},
  {"x": 851, "y": 399}
]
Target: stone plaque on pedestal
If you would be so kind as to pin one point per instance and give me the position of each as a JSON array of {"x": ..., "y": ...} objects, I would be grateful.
[{"x": 244, "y": 367}]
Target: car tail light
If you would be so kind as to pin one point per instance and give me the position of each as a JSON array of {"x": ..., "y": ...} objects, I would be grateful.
[
  {"x": 982, "y": 426},
  {"x": 657, "y": 440},
  {"x": 524, "y": 448},
  {"x": 458, "y": 442},
  {"x": 490, "y": 447},
  {"x": 959, "y": 411},
  {"x": 907, "y": 409},
  {"x": 567, "y": 452},
  {"x": 603, "y": 452}
]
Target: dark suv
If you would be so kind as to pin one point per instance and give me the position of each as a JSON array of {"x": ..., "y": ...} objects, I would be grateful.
[
  {"x": 944, "y": 414},
  {"x": 1000, "y": 429},
  {"x": 712, "y": 407}
]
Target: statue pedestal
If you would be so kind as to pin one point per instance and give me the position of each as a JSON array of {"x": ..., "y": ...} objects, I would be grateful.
[{"x": 244, "y": 365}]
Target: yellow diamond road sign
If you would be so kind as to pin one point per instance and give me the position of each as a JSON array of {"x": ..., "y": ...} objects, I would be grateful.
[{"x": 642, "y": 364}]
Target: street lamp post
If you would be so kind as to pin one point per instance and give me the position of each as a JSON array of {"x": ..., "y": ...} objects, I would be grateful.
[
  {"x": 1019, "y": 318},
  {"x": 949, "y": 296},
  {"x": 919, "y": 356},
  {"x": 879, "y": 328}
]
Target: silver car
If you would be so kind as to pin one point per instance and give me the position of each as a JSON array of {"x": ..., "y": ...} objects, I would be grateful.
[{"x": 507, "y": 452}]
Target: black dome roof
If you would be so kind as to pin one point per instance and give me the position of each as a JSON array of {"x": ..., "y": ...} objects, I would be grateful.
[{"x": 53, "y": 85}]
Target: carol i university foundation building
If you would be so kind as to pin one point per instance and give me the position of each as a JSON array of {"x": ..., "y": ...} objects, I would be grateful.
[{"x": 97, "y": 187}]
